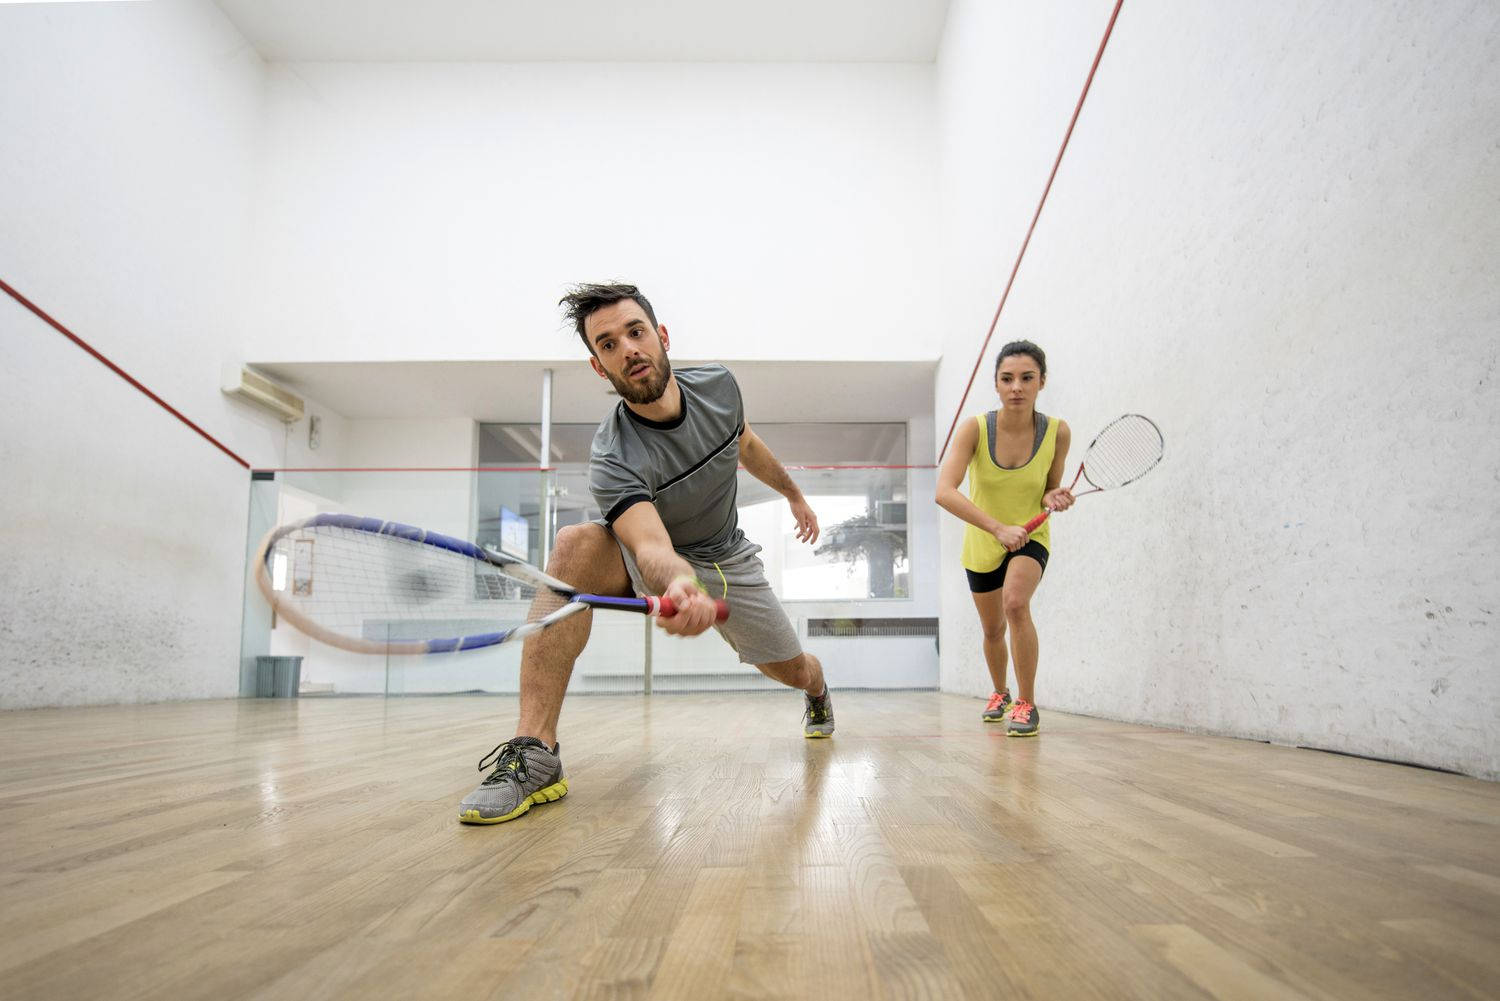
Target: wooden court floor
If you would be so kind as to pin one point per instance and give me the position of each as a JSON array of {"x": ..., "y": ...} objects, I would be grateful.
[{"x": 308, "y": 849}]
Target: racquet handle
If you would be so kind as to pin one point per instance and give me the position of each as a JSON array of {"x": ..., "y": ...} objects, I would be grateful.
[
  {"x": 666, "y": 609},
  {"x": 1031, "y": 525}
]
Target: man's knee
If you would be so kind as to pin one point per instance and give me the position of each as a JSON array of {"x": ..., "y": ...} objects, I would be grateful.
[
  {"x": 587, "y": 551},
  {"x": 585, "y": 536},
  {"x": 584, "y": 542}
]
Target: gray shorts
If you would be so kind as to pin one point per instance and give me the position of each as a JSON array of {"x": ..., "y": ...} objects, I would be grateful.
[{"x": 757, "y": 628}]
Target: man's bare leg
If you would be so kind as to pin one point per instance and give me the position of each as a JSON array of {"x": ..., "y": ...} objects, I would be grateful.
[
  {"x": 588, "y": 558},
  {"x": 527, "y": 769}
]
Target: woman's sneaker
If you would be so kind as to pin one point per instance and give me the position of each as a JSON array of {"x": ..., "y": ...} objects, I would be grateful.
[
  {"x": 1023, "y": 719},
  {"x": 817, "y": 716},
  {"x": 525, "y": 772},
  {"x": 998, "y": 706}
]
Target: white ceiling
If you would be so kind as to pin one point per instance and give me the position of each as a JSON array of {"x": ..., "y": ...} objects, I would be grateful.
[
  {"x": 512, "y": 391},
  {"x": 904, "y": 31}
]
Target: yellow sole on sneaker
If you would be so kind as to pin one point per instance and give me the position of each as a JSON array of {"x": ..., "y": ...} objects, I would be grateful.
[
  {"x": 816, "y": 736},
  {"x": 549, "y": 794},
  {"x": 1017, "y": 733}
]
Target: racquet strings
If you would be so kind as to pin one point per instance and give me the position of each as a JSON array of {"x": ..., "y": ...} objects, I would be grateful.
[
  {"x": 387, "y": 589},
  {"x": 1124, "y": 451}
]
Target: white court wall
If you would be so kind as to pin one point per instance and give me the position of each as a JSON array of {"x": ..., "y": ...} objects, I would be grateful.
[
  {"x": 1274, "y": 231},
  {"x": 436, "y": 211},
  {"x": 130, "y": 140}
]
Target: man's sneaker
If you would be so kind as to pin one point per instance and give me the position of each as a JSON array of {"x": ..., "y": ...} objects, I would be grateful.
[
  {"x": 525, "y": 772},
  {"x": 1023, "y": 721},
  {"x": 998, "y": 706},
  {"x": 817, "y": 718}
]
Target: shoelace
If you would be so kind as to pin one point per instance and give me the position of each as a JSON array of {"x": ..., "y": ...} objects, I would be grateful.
[
  {"x": 509, "y": 763},
  {"x": 996, "y": 701},
  {"x": 817, "y": 709},
  {"x": 1020, "y": 711}
]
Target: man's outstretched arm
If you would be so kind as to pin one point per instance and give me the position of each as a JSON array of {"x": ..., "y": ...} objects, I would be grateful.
[
  {"x": 667, "y": 573},
  {"x": 757, "y": 458}
]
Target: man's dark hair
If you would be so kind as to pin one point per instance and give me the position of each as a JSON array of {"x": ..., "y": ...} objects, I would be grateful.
[
  {"x": 585, "y": 299},
  {"x": 1022, "y": 348}
]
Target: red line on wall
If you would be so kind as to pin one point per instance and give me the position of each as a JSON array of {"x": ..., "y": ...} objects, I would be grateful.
[
  {"x": 494, "y": 469},
  {"x": 117, "y": 370},
  {"x": 400, "y": 469},
  {"x": 1031, "y": 229}
]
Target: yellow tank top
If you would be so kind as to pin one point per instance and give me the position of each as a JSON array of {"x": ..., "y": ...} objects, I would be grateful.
[{"x": 1013, "y": 496}]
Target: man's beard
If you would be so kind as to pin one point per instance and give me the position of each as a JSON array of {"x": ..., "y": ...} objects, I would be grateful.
[{"x": 650, "y": 391}]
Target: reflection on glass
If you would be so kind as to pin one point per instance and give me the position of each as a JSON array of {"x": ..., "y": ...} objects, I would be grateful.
[
  {"x": 863, "y": 549},
  {"x": 515, "y": 533}
]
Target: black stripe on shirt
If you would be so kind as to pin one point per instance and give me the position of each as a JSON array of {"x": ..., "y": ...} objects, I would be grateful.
[
  {"x": 624, "y": 504},
  {"x": 703, "y": 461}
]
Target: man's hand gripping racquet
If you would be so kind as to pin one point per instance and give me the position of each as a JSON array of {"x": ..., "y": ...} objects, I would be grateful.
[
  {"x": 375, "y": 586},
  {"x": 1128, "y": 448}
]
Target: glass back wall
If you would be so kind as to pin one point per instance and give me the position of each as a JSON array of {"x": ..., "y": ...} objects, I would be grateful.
[{"x": 863, "y": 565}]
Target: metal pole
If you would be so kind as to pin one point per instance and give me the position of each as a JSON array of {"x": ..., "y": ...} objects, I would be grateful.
[
  {"x": 546, "y": 456},
  {"x": 646, "y": 674},
  {"x": 545, "y": 461}
]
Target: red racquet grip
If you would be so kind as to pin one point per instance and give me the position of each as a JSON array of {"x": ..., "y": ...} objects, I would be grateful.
[
  {"x": 1031, "y": 525},
  {"x": 666, "y": 609}
]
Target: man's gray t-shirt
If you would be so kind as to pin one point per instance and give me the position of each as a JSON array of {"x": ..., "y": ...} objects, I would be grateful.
[{"x": 686, "y": 467}]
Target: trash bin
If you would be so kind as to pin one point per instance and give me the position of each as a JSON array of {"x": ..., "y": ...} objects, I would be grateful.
[{"x": 277, "y": 677}]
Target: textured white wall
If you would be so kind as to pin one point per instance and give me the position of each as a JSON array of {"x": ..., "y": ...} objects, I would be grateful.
[
  {"x": 1275, "y": 232},
  {"x": 130, "y": 143},
  {"x": 437, "y": 210}
]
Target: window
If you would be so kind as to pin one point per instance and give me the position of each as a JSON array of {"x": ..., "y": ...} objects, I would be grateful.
[{"x": 861, "y": 551}]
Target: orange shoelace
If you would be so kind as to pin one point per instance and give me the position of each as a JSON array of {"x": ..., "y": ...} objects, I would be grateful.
[
  {"x": 1020, "y": 711},
  {"x": 997, "y": 700}
]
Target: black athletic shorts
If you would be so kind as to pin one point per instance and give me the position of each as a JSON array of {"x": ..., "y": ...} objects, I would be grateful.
[{"x": 992, "y": 580}]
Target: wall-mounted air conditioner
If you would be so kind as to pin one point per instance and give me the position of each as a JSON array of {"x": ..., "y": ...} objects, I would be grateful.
[{"x": 257, "y": 389}]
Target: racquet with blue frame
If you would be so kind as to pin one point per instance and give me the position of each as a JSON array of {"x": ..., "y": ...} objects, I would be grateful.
[{"x": 372, "y": 586}]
